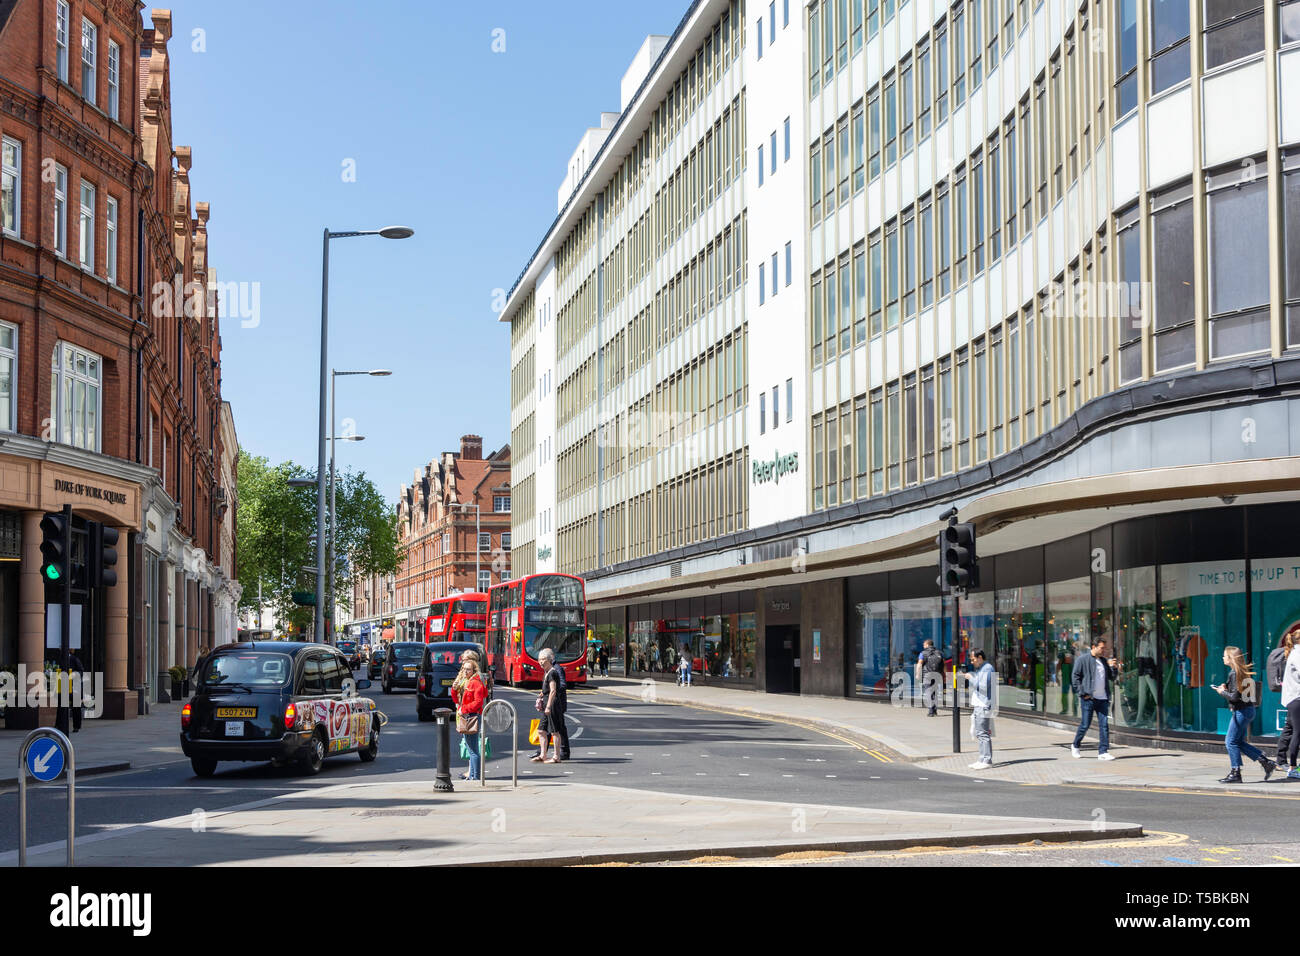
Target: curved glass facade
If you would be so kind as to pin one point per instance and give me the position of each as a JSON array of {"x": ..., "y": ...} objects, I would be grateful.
[{"x": 1170, "y": 592}]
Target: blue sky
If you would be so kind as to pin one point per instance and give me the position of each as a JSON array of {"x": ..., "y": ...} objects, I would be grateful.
[{"x": 464, "y": 145}]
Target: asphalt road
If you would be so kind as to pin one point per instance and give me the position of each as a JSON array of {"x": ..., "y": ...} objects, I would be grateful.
[{"x": 617, "y": 741}]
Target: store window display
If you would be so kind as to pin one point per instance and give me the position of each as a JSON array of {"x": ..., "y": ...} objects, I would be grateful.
[
  {"x": 1068, "y": 605},
  {"x": 1274, "y": 610},
  {"x": 1019, "y": 657},
  {"x": 1202, "y": 611},
  {"x": 870, "y": 622},
  {"x": 1137, "y": 640}
]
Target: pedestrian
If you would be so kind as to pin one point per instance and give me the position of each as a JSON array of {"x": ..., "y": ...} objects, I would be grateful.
[
  {"x": 604, "y": 662},
  {"x": 1242, "y": 694},
  {"x": 555, "y": 703},
  {"x": 684, "y": 668},
  {"x": 75, "y": 706},
  {"x": 931, "y": 662},
  {"x": 1093, "y": 681},
  {"x": 983, "y": 684},
  {"x": 469, "y": 695},
  {"x": 591, "y": 659},
  {"x": 1284, "y": 678}
]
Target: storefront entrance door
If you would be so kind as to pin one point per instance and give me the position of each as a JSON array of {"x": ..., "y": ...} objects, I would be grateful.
[{"x": 782, "y": 642}]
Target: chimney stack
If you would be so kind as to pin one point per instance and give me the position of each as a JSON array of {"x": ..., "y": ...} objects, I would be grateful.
[{"x": 471, "y": 447}]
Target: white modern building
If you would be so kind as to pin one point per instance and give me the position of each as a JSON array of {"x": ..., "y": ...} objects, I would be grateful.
[{"x": 835, "y": 267}]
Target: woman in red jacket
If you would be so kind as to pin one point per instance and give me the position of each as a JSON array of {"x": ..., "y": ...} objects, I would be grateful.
[{"x": 469, "y": 694}]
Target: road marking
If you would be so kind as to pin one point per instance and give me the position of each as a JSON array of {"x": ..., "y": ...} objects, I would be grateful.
[
  {"x": 613, "y": 773},
  {"x": 746, "y": 775},
  {"x": 700, "y": 773},
  {"x": 875, "y": 778},
  {"x": 879, "y": 756},
  {"x": 1109, "y": 863},
  {"x": 1183, "y": 791},
  {"x": 830, "y": 776},
  {"x": 787, "y": 775},
  {"x": 922, "y": 778},
  {"x": 1284, "y": 859},
  {"x": 608, "y": 710},
  {"x": 1180, "y": 859},
  {"x": 655, "y": 773}
]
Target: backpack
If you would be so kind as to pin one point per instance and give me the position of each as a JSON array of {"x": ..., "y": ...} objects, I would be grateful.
[{"x": 1274, "y": 668}]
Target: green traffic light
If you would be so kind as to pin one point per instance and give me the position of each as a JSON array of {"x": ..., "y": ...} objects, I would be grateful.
[{"x": 52, "y": 572}]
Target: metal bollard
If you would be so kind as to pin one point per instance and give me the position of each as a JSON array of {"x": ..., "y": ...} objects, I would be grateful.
[{"x": 442, "y": 777}]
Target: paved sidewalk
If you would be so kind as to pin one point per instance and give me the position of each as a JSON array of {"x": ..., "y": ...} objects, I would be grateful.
[
  {"x": 396, "y": 822},
  {"x": 1023, "y": 751},
  {"x": 103, "y": 745}
]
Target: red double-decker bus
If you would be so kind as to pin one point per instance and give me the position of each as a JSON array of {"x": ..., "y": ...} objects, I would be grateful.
[
  {"x": 534, "y": 612},
  {"x": 458, "y": 617}
]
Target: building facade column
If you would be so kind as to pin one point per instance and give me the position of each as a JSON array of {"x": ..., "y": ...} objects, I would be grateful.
[
  {"x": 31, "y": 624},
  {"x": 120, "y": 702}
]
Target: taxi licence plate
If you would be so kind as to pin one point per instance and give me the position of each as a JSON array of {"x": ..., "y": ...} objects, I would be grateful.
[
  {"x": 446, "y": 683},
  {"x": 234, "y": 728},
  {"x": 247, "y": 713},
  {"x": 409, "y": 670}
]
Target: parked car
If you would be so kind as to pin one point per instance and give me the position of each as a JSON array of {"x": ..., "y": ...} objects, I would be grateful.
[
  {"x": 278, "y": 701},
  {"x": 376, "y": 666},
  {"x": 439, "y": 666},
  {"x": 401, "y": 665}
]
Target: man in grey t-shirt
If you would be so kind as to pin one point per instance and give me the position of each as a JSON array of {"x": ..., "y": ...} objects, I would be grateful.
[{"x": 1093, "y": 680}]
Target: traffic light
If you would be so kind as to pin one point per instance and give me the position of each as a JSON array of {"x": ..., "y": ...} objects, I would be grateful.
[
  {"x": 942, "y": 580},
  {"x": 961, "y": 571},
  {"x": 103, "y": 555},
  {"x": 56, "y": 548}
]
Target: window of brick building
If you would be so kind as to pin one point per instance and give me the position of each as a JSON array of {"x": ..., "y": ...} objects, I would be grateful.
[
  {"x": 76, "y": 378},
  {"x": 11, "y": 186},
  {"x": 89, "y": 46}
]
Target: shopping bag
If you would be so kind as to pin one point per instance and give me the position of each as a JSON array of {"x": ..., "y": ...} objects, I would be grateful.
[
  {"x": 487, "y": 747},
  {"x": 533, "y": 737},
  {"x": 464, "y": 749}
]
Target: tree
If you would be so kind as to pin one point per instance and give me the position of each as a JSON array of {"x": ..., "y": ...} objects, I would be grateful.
[{"x": 276, "y": 526}]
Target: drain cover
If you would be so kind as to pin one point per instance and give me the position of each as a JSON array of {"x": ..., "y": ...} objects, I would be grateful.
[{"x": 408, "y": 812}]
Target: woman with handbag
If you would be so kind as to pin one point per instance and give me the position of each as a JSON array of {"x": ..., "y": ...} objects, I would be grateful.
[
  {"x": 1242, "y": 694},
  {"x": 469, "y": 694}
]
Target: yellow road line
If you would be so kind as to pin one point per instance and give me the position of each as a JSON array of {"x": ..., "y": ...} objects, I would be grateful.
[{"x": 1184, "y": 791}]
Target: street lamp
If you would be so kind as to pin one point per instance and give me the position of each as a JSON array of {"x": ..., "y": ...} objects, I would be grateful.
[
  {"x": 334, "y": 515},
  {"x": 477, "y": 549},
  {"x": 388, "y": 232}
]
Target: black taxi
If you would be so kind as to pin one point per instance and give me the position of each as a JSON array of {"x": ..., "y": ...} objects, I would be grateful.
[
  {"x": 278, "y": 701},
  {"x": 438, "y": 669}
]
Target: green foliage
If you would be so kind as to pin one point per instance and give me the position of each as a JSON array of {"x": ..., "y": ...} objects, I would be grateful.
[{"x": 275, "y": 525}]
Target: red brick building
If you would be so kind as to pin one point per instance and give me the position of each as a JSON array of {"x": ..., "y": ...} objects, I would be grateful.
[
  {"x": 109, "y": 389},
  {"x": 442, "y": 554}
]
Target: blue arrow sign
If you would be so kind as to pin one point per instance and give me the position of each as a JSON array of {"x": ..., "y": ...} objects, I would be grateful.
[{"x": 45, "y": 759}]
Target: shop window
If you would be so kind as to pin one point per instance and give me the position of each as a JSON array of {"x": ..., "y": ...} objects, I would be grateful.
[
  {"x": 869, "y": 621},
  {"x": 913, "y": 621},
  {"x": 1068, "y": 642},
  {"x": 1019, "y": 655},
  {"x": 1202, "y": 606}
]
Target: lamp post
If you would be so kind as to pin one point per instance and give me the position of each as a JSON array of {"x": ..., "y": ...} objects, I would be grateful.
[
  {"x": 334, "y": 515},
  {"x": 388, "y": 232},
  {"x": 477, "y": 549}
]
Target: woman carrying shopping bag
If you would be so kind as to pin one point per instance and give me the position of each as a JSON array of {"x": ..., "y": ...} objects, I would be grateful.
[{"x": 469, "y": 694}]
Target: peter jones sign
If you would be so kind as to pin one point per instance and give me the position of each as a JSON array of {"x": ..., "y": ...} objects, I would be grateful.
[{"x": 774, "y": 469}]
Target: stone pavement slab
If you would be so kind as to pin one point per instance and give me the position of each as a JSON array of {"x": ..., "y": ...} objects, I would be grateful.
[
  {"x": 1024, "y": 751},
  {"x": 105, "y": 745},
  {"x": 395, "y": 822}
]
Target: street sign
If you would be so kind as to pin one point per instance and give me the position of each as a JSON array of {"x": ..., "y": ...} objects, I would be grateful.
[
  {"x": 304, "y": 598},
  {"x": 43, "y": 755},
  {"x": 45, "y": 759}
]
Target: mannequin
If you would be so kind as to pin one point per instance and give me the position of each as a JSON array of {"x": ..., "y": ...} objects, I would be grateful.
[{"x": 1146, "y": 660}]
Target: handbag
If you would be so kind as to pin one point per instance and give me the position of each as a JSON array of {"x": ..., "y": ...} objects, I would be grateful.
[{"x": 467, "y": 723}]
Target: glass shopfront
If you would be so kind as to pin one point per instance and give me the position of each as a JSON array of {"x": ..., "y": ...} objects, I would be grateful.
[
  {"x": 1168, "y": 593},
  {"x": 717, "y": 634}
]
